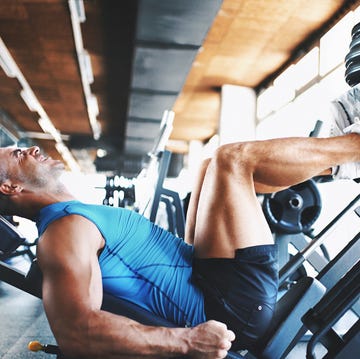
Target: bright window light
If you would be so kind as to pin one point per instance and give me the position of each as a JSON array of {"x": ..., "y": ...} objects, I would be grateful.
[
  {"x": 306, "y": 69},
  {"x": 356, "y": 15},
  {"x": 307, "y": 110},
  {"x": 274, "y": 98},
  {"x": 264, "y": 102},
  {"x": 284, "y": 87},
  {"x": 297, "y": 118},
  {"x": 334, "y": 84},
  {"x": 286, "y": 78},
  {"x": 334, "y": 45}
]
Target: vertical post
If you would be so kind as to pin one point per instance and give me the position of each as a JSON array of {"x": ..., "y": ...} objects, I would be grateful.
[{"x": 237, "y": 115}]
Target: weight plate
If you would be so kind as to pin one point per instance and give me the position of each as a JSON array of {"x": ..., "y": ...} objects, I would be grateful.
[{"x": 293, "y": 210}]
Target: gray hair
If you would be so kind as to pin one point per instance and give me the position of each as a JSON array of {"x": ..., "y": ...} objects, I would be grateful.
[{"x": 3, "y": 175}]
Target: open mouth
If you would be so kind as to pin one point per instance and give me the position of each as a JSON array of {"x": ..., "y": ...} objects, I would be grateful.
[{"x": 42, "y": 158}]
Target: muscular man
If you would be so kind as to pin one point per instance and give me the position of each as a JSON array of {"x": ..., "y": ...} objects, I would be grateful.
[{"x": 222, "y": 281}]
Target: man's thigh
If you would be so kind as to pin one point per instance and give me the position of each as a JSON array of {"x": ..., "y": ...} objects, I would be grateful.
[{"x": 229, "y": 215}]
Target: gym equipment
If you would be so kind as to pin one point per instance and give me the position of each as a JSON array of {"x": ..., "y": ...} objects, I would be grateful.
[
  {"x": 290, "y": 214},
  {"x": 36, "y": 346},
  {"x": 322, "y": 318},
  {"x": 173, "y": 204},
  {"x": 118, "y": 195},
  {"x": 147, "y": 190},
  {"x": 299, "y": 258},
  {"x": 340, "y": 265},
  {"x": 146, "y": 181},
  {"x": 328, "y": 277},
  {"x": 352, "y": 59},
  {"x": 12, "y": 241},
  {"x": 327, "y": 312},
  {"x": 291, "y": 266},
  {"x": 352, "y": 62},
  {"x": 293, "y": 210},
  {"x": 341, "y": 297}
]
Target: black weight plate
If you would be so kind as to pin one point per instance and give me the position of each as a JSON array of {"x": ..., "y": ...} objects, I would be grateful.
[
  {"x": 355, "y": 30},
  {"x": 293, "y": 210},
  {"x": 352, "y": 57},
  {"x": 354, "y": 43},
  {"x": 352, "y": 75}
]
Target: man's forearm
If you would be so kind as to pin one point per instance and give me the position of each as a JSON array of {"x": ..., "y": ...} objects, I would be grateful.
[
  {"x": 107, "y": 335},
  {"x": 110, "y": 336},
  {"x": 129, "y": 337}
]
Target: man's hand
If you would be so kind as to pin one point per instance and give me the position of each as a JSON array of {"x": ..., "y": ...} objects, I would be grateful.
[{"x": 210, "y": 340}]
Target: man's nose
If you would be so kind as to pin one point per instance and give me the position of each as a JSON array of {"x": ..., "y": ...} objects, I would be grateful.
[{"x": 33, "y": 151}]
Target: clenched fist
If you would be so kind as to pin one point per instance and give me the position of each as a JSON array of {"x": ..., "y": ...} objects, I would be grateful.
[{"x": 211, "y": 339}]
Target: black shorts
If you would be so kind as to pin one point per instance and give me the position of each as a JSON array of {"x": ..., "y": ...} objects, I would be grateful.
[{"x": 240, "y": 292}]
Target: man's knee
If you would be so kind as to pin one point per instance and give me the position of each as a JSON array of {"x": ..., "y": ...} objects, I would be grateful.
[{"x": 233, "y": 158}]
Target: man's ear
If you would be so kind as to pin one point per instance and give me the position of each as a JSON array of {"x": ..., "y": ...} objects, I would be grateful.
[{"x": 9, "y": 189}]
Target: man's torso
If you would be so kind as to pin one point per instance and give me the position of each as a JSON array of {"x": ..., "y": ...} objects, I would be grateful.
[{"x": 140, "y": 262}]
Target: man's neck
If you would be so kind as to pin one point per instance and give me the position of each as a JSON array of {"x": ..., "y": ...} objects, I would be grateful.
[{"x": 29, "y": 203}]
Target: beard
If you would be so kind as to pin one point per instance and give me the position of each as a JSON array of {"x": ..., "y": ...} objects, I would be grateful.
[{"x": 44, "y": 173}]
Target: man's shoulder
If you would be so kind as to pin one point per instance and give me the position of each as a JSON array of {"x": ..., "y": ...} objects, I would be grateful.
[
  {"x": 71, "y": 232},
  {"x": 71, "y": 221}
]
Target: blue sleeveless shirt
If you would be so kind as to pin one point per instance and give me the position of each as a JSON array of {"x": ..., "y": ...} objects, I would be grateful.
[{"x": 140, "y": 262}]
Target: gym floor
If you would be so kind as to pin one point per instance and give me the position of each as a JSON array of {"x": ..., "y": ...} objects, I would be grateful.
[{"x": 22, "y": 320}]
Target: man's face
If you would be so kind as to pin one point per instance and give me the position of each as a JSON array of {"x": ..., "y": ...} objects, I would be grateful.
[{"x": 29, "y": 166}]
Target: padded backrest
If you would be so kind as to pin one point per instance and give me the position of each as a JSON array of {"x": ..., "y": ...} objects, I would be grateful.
[
  {"x": 34, "y": 279},
  {"x": 10, "y": 237},
  {"x": 110, "y": 303},
  {"x": 123, "y": 307}
]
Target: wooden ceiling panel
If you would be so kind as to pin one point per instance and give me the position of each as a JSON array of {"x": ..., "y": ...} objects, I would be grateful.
[
  {"x": 194, "y": 128},
  {"x": 25, "y": 120},
  {"x": 63, "y": 68},
  {"x": 14, "y": 106},
  {"x": 98, "y": 68},
  {"x": 39, "y": 36},
  {"x": 315, "y": 11},
  {"x": 9, "y": 85},
  {"x": 12, "y": 11},
  {"x": 195, "y": 102},
  {"x": 238, "y": 73},
  {"x": 221, "y": 26},
  {"x": 48, "y": 148},
  {"x": 189, "y": 122},
  {"x": 68, "y": 118},
  {"x": 51, "y": 21}
]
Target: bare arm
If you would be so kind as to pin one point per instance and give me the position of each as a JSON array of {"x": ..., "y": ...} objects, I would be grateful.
[{"x": 72, "y": 295}]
